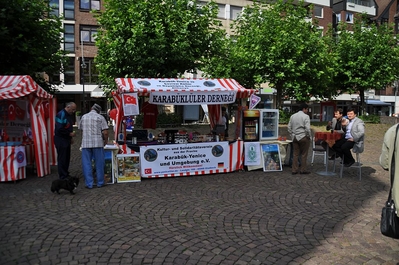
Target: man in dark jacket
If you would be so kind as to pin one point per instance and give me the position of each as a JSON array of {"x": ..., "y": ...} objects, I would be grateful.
[{"x": 63, "y": 134}]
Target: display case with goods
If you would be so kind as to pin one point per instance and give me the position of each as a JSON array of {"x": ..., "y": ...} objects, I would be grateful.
[
  {"x": 250, "y": 129},
  {"x": 268, "y": 126}
]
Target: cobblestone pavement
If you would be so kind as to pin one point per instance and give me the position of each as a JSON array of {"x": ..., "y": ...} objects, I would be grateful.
[{"x": 251, "y": 217}]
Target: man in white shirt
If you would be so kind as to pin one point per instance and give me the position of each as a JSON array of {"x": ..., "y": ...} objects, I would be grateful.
[
  {"x": 94, "y": 138},
  {"x": 299, "y": 129}
]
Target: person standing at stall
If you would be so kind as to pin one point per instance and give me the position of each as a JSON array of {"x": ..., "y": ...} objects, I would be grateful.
[
  {"x": 94, "y": 137},
  {"x": 225, "y": 118},
  {"x": 63, "y": 138},
  {"x": 299, "y": 129}
]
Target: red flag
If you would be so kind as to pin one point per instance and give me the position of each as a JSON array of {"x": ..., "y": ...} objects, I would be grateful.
[{"x": 129, "y": 99}]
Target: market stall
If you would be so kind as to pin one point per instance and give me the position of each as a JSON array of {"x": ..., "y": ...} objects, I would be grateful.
[
  {"x": 180, "y": 154},
  {"x": 27, "y": 113}
]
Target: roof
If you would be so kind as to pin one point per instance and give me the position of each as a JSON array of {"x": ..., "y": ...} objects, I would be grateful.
[
  {"x": 16, "y": 86},
  {"x": 144, "y": 86},
  {"x": 377, "y": 102}
]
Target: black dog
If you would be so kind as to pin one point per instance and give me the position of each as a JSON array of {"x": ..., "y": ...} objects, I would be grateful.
[{"x": 70, "y": 183}]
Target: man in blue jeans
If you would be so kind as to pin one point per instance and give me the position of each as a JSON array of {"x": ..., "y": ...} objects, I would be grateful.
[{"x": 95, "y": 137}]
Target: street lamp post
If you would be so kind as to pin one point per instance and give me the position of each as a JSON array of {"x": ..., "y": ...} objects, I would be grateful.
[
  {"x": 396, "y": 86},
  {"x": 83, "y": 67}
]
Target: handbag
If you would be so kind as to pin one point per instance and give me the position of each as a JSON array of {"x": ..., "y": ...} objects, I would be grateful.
[
  {"x": 389, "y": 220},
  {"x": 389, "y": 225}
]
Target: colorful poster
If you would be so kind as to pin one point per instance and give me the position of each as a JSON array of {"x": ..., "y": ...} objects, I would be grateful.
[
  {"x": 128, "y": 168},
  {"x": 186, "y": 159},
  {"x": 271, "y": 157}
]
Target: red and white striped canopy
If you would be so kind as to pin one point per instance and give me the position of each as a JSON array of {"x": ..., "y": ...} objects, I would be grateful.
[
  {"x": 144, "y": 86},
  {"x": 16, "y": 86}
]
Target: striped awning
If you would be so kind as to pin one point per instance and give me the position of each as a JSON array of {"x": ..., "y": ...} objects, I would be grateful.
[
  {"x": 42, "y": 121},
  {"x": 16, "y": 86},
  {"x": 144, "y": 86}
]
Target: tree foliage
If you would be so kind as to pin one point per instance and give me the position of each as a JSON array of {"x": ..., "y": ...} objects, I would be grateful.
[
  {"x": 275, "y": 43},
  {"x": 30, "y": 39},
  {"x": 367, "y": 57},
  {"x": 155, "y": 38}
]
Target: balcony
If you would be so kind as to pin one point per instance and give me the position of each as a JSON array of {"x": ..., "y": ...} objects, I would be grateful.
[{"x": 361, "y": 6}]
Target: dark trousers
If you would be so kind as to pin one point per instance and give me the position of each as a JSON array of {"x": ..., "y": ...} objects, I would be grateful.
[
  {"x": 301, "y": 149},
  {"x": 343, "y": 147},
  {"x": 63, "y": 159}
]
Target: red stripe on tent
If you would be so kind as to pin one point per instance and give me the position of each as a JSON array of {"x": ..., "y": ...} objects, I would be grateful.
[{"x": 50, "y": 129}]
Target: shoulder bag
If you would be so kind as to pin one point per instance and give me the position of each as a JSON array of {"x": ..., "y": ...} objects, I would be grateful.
[{"x": 389, "y": 220}]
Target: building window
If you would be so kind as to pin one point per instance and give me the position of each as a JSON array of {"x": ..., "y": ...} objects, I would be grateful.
[
  {"x": 338, "y": 17},
  {"x": 69, "y": 71},
  {"x": 349, "y": 17},
  {"x": 87, "y": 34},
  {"x": 90, "y": 73},
  {"x": 55, "y": 6},
  {"x": 235, "y": 12},
  {"x": 318, "y": 11},
  {"x": 69, "y": 9},
  {"x": 221, "y": 11},
  {"x": 90, "y": 4},
  {"x": 69, "y": 38}
]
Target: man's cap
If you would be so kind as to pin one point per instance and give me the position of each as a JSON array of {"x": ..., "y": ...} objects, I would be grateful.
[{"x": 96, "y": 107}]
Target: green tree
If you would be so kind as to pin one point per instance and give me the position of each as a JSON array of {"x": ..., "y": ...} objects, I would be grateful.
[
  {"x": 30, "y": 39},
  {"x": 367, "y": 57},
  {"x": 275, "y": 43},
  {"x": 155, "y": 38}
]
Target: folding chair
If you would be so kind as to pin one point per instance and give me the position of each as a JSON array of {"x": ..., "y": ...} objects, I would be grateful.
[{"x": 318, "y": 150}]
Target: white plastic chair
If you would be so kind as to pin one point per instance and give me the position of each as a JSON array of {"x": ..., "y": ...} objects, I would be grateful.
[{"x": 318, "y": 150}]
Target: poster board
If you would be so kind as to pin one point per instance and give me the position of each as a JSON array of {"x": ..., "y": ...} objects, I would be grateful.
[
  {"x": 271, "y": 157},
  {"x": 128, "y": 168},
  {"x": 109, "y": 166}
]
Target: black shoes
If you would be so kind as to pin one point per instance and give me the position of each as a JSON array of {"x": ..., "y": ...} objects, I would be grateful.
[
  {"x": 349, "y": 164},
  {"x": 304, "y": 172}
]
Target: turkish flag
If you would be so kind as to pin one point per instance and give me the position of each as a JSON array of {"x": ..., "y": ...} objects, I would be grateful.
[
  {"x": 11, "y": 110},
  {"x": 129, "y": 99},
  {"x": 147, "y": 171}
]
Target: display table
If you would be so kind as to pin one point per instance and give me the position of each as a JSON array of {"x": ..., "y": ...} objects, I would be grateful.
[
  {"x": 283, "y": 152},
  {"x": 13, "y": 162},
  {"x": 173, "y": 160},
  {"x": 330, "y": 139}
]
